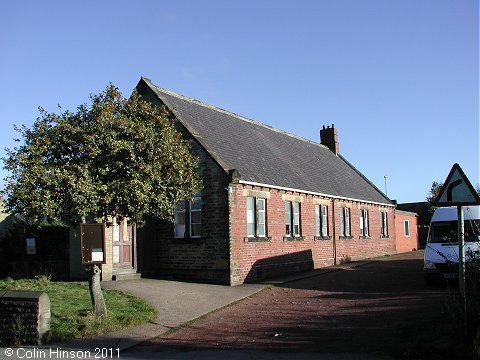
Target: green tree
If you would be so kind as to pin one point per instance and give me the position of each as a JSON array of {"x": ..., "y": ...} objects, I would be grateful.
[
  {"x": 117, "y": 157},
  {"x": 434, "y": 191},
  {"x": 431, "y": 196},
  {"x": 114, "y": 157}
]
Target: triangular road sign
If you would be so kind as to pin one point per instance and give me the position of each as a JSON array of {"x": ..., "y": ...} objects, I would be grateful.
[{"x": 457, "y": 190}]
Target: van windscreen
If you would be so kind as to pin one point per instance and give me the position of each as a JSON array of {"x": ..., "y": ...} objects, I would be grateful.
[{"x": 447, "y": 231}]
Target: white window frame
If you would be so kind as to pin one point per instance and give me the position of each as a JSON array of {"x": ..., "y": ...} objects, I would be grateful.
[
  {"x": 257, "y": 216},
  {"x": 261, "y": 214},
  {"x": 179, "y": 228},
  {"x": 293, "y": 226},
  {"x": 321, "y": 221},
  {"x": 324, "y": 220},
  {"x": 195, "y": 210},
  {"x": 406, "y": 228},
  {"x": 345, "y": 224},
  {"x": 183, "y": 211},
  {"x": 384, "y": 223},
  {"x": 250, "y": 205},
  {"x": 296, "y": 219},
  {"x": 288, "y": 218},
  {"x": 364, "y": 226}
]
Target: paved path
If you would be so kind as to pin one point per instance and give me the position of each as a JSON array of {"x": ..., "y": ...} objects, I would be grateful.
[{"x": 176, "y": 302}]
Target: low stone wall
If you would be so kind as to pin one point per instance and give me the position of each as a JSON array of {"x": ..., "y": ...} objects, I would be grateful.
[{"x": 24, "y": 317}]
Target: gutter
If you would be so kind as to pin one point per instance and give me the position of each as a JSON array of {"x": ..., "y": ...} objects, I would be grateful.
[{"x": 314, "y": 193}]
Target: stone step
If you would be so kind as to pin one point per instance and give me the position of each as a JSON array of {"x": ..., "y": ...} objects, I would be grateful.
[{"x": 126, "y": 276}]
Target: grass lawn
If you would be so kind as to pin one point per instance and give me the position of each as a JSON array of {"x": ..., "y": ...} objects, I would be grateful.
[{"x": 71, "y": 308}]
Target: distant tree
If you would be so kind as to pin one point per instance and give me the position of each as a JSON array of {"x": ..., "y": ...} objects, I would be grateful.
[
  {"x": 116, "y": 157},
  {"x": 425, "y": 212},
  {"x": 433, "y": 193}
]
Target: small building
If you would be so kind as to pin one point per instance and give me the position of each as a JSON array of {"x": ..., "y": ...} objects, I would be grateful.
[
  {"x": 272, "y": 203},
  {"x": 406, "y": 231},
  {"x": 424, "y": 212}
]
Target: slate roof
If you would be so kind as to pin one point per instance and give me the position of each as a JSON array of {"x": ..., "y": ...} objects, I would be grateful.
[{"x": 265, "y": 155}]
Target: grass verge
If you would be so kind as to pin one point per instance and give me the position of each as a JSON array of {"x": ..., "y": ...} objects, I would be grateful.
[{"x": 71, "y": 308}]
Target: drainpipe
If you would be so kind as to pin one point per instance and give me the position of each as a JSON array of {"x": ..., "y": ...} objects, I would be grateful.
[
  {"x": 334, "y": 234},
  {"x": 232, "y": 259}
]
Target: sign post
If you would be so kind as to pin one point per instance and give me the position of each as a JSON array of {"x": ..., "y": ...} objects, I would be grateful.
[
  {"x": 461, "y": 254},
  {"x": 458, "y": 191},
  {"x": 92, "y": 250}
]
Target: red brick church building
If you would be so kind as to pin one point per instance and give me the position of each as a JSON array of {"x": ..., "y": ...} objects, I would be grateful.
[{"x": 272, "y": 203}]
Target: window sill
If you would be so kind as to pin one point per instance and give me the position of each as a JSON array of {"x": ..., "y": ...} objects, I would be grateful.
[
  {"x": 290, "y": 238},
  {"x": 323, "y": 238},
  {"x": 257, "y": 239},
  {"x": 364, "y": 237},
  {"x": 188, "y": 240},
  {"x": 384, "y": 236},
  {"x": 345, "y": 237}
]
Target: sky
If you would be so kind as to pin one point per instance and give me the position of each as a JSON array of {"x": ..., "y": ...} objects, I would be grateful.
[{"x": 398, "y": 78}]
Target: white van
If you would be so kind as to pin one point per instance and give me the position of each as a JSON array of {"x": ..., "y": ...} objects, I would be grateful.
[{"x": 441, "y": 253}]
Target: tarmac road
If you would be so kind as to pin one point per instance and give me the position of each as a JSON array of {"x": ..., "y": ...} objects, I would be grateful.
[
  {"x": 371, "y": 310},
  {"x": 377, "y": 309}
]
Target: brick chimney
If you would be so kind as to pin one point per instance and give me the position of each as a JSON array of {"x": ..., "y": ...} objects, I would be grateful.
[{"x": 329, "y": 138}]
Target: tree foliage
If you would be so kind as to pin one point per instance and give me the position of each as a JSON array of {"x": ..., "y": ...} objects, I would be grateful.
[
  {"x": 112, "y": 157},
  {"x": 429, "y": 208},
  {"x": 434, "y": 191}
]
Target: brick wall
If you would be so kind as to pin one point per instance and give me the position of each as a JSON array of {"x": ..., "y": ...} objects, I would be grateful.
[
  {"x": 406, "y": 243},
  {"x": 253, "y": 259},
  {"x": 358, "y": 247},
  {"x": 204, "y": 259}
]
